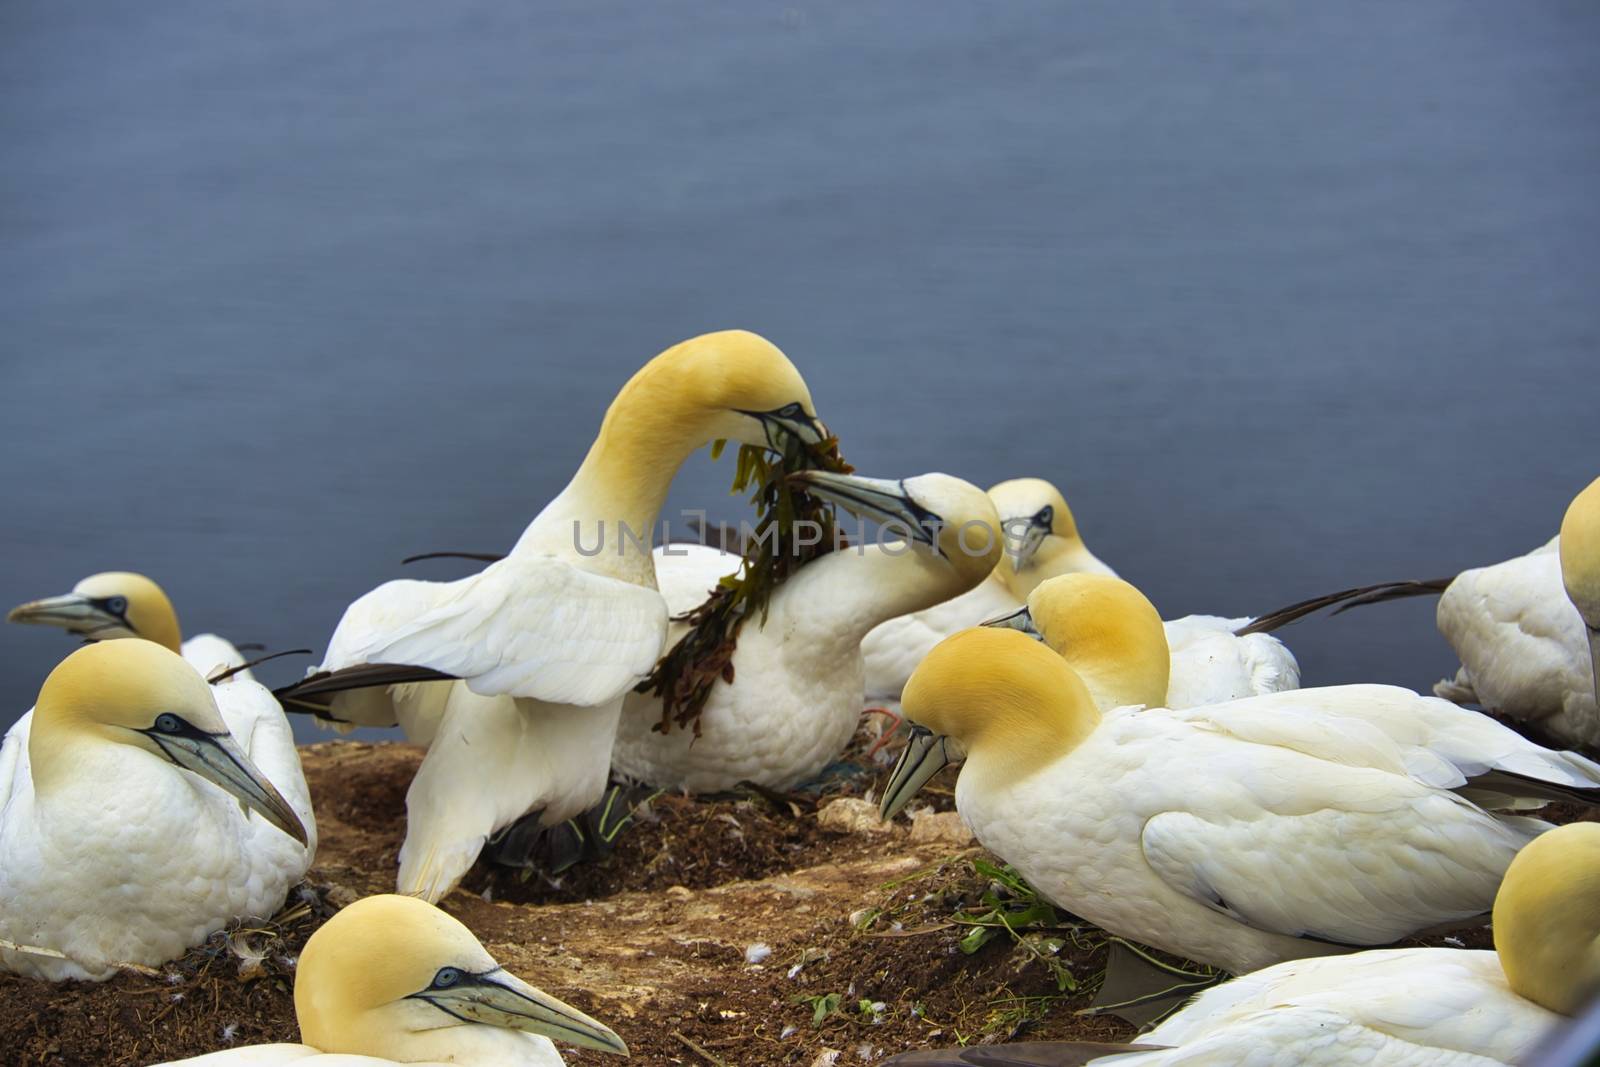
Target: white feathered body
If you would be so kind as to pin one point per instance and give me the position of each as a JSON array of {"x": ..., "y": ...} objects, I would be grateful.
[
  {"x": 1210, "y": 665},
  {"x": 207, "y": 653},
  {"x": 794, "y": 701},
  {"x": 1523, "y": 646},
  {"x": 517, "y": 1050},
  {"x": 139, "y": 860},
  {"x": 1411, "y": 1007},
  {"x": 797, "y": 689},
  {"x": 1245, "y": 834}
]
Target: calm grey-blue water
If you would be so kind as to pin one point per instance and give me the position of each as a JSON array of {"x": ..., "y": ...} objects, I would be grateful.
[{"x": 1284, "y": 297}]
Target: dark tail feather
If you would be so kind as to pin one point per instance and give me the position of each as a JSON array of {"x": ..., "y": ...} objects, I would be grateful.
[
  {"x": 222, "y": 676},
  {"x": 481, "y": 557},
  {"x": 361, "y": 676},
  {"x": 1344, "y": 600},
  {"x": 1021, "y": 1054},
  {"x": 1523, "y": 787}
]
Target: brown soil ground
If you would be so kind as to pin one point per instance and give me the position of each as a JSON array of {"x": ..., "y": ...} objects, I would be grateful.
[{"x": 656, "y": 940}]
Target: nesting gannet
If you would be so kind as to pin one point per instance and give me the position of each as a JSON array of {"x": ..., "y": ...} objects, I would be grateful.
[
  {"x": 1528, "y": 630},
  {"x": 548, "y": 640},
  {"x": 796, "y": 693},
  {"x": 1424, "y": 1007},
  {"x": 1112, "y": 638},
  {"x": 393, "y": 980},
  {"x": 1041, "y": 541},
  {"x": 1239, "y": 834},
  {"x": 122, "y": 836},
  {"x": 124, "y": 604}
]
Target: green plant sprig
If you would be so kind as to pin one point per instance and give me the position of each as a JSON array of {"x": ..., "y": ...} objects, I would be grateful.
[{"x": 684, "y": 677}]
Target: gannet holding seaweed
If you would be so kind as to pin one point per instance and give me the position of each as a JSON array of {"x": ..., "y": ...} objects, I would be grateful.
[
  {"x": 796, "y": 693},
  {"x": 392, "y": 980},
  {"x": 1041, "y": 541},
  {"x": 122, "y": 835},
  {"x": 1112, "y": 638},
  {"x": 548, "y": 640},
  {"x": 1240, "y": 834},
  {"x": 123, "y": 604},
  {"x": 1424, "y": 1007}
]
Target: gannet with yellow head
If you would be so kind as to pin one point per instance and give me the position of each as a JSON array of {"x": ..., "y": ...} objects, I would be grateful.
[
  {"x": 115, "y": 604},
  {"x": 1239, "y": 834},
  {"x": 1528, "y": 631},
  {"x": 392, "y": 980},
  {"x": 796, "y": 694},
  {"x": 1110, "y": 635},
  {"x": 1041, "y": 541},
  {"x": 134, "y": 824},
  {"x": 1424, "y": 1007},
  {"x": 548, "y": 640}
]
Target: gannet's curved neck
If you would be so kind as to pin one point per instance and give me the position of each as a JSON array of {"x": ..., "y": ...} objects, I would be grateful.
[
  {"x": 848, "y": 592},
  {"x": 623, "y": 481}
]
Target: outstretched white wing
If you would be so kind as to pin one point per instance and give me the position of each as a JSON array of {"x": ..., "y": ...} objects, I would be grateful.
[{"x": 534, "y": 627}]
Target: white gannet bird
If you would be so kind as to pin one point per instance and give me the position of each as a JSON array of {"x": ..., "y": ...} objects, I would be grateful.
[
  {"x": 1423, "y": 1007},
  {"x": 796, "y": 694},
  {"x": 1112, "y": 636},
  {"x": 1240, "y": 834},
  {"x": 122, "y": 835},
  {"x": 392, "y": 980},
  {"x": 1528, "y": 631},
  {"x": 547, "y": 641},
  {"x": 124, "y": 604},
  {"x": 1041, "y": 541}
]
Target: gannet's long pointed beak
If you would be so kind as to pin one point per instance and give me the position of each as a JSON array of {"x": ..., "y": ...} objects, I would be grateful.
[
  {"x": 498, "y": 998},
  {"x": 879, "y": 499},
  {"x": 1021, "y": 619},
  {"x": 71, "y": 612},
  {"x": 219, "y": 760},
  {"x": 925, "y": 755},
  {"x": 1023, "y": 538}
]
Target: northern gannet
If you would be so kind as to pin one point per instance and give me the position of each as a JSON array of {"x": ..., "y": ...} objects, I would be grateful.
[
  {"x": 1112, "y": 638},
  {"x": 796, "y": 693},
  {"x": 392, "y": 980},
  {"x": 548, "y": 640},
  {"x": 1528, "y": 631},
  {"x": 1239, "y": 834},
  {"x": 124, "y": 604},
  {"x": 1041, "y": 541},
  {"x": 122, "y": 836},
  {"x": 1424, "y": 1007}
]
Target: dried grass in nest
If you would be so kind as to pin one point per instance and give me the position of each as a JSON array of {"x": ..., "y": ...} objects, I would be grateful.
[{"x": 683, "y": 678}]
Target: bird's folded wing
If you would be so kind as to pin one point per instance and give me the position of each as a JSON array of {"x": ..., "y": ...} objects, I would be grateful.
[
  {"x": 533, "y": 627},
  {"x": 14, "y": 759},
  {"x": 1364, "y": 860}
]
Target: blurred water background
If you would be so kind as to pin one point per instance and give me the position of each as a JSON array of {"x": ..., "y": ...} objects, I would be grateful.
[{"x": 1284, "y": 297}]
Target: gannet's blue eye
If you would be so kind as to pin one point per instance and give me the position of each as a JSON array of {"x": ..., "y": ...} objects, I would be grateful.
[
  {"x": 117, "y": 605},
  {"x": 447, "y": 977},
  {"x": 790, "y": 410},
  {"x": 1046, "y": 517},
  {"x": 168, "y": 724}
]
